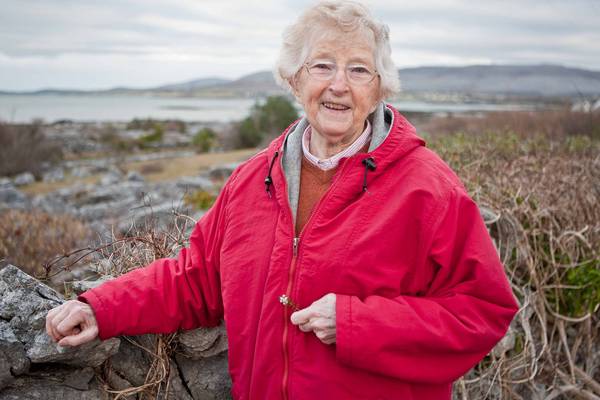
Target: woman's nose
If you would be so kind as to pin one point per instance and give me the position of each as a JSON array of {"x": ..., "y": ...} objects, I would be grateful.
[{"x": 339, "y": 82}]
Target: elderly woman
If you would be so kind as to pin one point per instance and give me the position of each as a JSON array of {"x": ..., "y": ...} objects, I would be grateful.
[{"x": 346, "y": 259}]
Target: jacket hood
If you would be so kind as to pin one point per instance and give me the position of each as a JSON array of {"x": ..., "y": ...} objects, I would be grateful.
[{"x": 393, "y": 138}]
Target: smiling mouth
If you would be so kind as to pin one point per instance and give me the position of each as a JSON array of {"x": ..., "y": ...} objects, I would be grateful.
[{"x": 334, "y": 106}]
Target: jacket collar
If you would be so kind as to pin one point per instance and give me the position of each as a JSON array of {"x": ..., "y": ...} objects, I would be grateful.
[{"x": 393, "y": 138}]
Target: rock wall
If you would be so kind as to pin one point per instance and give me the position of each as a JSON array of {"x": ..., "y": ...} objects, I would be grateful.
[{"x": 191, "y": 366}]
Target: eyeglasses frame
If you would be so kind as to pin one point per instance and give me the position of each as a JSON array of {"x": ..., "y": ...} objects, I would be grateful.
[{"x": 375, "y": 74}]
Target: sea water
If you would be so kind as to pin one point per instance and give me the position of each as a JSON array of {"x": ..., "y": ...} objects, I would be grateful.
[{"x": 85, "y": 107}]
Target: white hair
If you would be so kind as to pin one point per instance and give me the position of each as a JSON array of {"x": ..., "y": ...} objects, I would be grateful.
[{"x": 344, "y": 16}]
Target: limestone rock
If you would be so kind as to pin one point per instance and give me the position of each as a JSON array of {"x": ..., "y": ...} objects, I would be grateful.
[
  {"x": 5, "y": 182},
  {"x": 12, "y": 355},
  {"x": 203, "y": 342},
  {"x": 55, "y": 383},
  {"x": 81, "y": 172},
  {"x": 33, "y": 367},
  {"x": 177, "y": 389},
  {"x": 44, "y": 350},
  {"x": 131, "y": 363},
  {"x": 207, "y": 379},
  {"x": 80, "y": 378},
  {"x": 23, "y": 179},
  {"x": 111, "y": 178},
  {"x": 54, "y": 175},
  {"x": 222, "y": 172},
  {"x": 134, "y": 176},
  {"x": 82, "y": 286},
  {"x": 11, "y": 197},
  {"x": 24, "y": 303},
  {"x": 192, "y": 183}
]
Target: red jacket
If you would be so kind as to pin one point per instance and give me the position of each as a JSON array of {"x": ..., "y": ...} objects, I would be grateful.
[{"x": 421, "y": 293}]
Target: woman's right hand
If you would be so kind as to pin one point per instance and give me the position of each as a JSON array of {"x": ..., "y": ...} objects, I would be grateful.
[{"x": 72, "y": 323}]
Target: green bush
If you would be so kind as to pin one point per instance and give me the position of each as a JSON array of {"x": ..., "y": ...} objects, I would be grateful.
[
  {"x": 141, "y": 124},
  {"x": 110, "y": 136},
  {"x": 266, "y": 121},
  {"x": 249, "y": 135},
  {"x": 275, "y": 115},
  {"x": 204, "y": 140},
  {"x": 154, "y": 137},
  {"x": 200, "y": 199}
]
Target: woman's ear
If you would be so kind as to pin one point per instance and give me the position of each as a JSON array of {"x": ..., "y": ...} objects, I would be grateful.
[
  {"x": 380, "y": 98},
  {"x": 293, "y": 82}
]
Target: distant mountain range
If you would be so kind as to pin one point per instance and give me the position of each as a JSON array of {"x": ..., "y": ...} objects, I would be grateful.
[{"x": 477, "y": 80}]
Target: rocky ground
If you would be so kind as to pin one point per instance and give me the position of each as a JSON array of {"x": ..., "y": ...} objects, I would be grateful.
[
  {"x": 193, "y": 365},
  {"x": 34, "y": 367},
  {"x": 117, "y": 198}
]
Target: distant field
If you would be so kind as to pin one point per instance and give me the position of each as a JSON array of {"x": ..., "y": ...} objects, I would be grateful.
[
  {"x": 153, "y": 171},
  {"x": 168, "y": 169}
]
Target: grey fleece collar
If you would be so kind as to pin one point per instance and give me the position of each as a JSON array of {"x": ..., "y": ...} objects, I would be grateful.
[{"x": 381, "y": 120}]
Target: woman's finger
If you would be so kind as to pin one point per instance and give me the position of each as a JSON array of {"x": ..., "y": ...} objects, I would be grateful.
[
  {"x": 86, "y": 335},
  {"x": 69, "y": 323},
  {"x": 329, "y": 340},
  {"x": 57, "y": 319},
  {"x": 307, "y": 327},
  {"x": 322, "y": 323},
  {"x": 49, "y": 329}
]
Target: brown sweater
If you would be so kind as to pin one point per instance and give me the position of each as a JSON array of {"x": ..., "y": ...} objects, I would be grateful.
[{"x": 314, "y": 182}]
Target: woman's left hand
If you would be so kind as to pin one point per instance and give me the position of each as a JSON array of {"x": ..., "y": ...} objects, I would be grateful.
[{"x": 319, "y": 318}]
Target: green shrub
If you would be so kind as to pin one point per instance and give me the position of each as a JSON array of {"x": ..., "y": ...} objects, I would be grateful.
[
  {"x": 249, "y": 135},
  {"x": 275, "y": 115},
  {"x": 204, "y": 140},
  {"x": 266, "y": 121},
  {"x": 200, "y": 199},
  {"x": 154, "y": 137},
  {"x": 110, "y": 136},
  {"x": 141, "y": 124}
]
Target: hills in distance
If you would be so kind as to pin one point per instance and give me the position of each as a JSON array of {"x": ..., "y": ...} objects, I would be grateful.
[{"x": 484, "y": 80}]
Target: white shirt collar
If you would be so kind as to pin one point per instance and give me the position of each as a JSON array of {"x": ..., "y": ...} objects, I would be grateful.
[{"x": 334, "y": 160}]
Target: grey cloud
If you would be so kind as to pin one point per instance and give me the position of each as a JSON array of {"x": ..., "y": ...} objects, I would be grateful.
[{"x": 234, "y": 35}]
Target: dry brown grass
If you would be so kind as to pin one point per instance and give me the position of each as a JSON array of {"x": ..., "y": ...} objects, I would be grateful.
[
  {"x": 25, "y": 148},
  {"x": 546, "y": 193},
  {"x": 549, "y": 123},
  {"x": 31, "y": 238},
  {"x": 49, "y": 187}
]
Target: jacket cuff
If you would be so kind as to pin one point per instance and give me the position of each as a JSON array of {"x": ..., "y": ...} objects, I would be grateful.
[
  {"x": 343, "y": 328},
  {"x": 102, "y": 317}
]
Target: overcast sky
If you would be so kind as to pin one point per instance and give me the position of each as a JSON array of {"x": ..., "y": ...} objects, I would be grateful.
[{"x": 142, "y": 43}]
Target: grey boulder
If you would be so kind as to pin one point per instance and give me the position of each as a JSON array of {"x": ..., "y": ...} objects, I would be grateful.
[{"x": 24, "y": 304}]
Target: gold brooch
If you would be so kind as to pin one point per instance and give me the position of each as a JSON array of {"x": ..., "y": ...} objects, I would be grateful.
[{"x": 287, "y": 302}]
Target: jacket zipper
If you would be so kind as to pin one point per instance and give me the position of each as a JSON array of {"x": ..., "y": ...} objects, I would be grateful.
[
  {"x": 287, "y": 303},
  {"x": 285, "y": 299}
]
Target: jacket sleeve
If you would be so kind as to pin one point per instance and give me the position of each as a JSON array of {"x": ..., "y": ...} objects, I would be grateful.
[
  {"x": 438, "y": 337},
  {"x": 168, "y": 294}
]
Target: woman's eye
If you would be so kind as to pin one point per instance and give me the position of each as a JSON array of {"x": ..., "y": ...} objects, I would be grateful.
[
  {"x": 324, "y": 67},
  {"x": 359, "y": 70}
]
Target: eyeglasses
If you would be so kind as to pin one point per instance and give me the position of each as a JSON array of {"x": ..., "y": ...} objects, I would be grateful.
[{"x": 356, "y": 74}]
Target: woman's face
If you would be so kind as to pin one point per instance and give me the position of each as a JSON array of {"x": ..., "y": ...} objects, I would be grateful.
[{"x": 336, "y": 109}]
